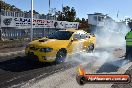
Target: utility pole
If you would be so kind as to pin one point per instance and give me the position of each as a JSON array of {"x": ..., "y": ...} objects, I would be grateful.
[
  {"x": 62, "y": 7},
  {"x": 49, "y": 6},
  {"x": 118, "y": 15},
  {"x": 49, "y": 11},
  {"x": 31, "y": 30}
]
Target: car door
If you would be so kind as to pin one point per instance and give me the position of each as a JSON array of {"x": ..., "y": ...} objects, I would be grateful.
[
  {"x": 73, "y": 43},
  {"x": 79, "y": 42},
  {"x": 85, "y": 40}
]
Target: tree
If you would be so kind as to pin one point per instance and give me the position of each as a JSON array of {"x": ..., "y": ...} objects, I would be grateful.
[
  {"x": 34, "y": 11},
  {"x": 83, "y": 20},
  {"x": 84, "y": 24},
  {"x": 60, "y": 16},
  {"x": 77, "y": 20},
  {"x": 67, "y": 14},
  {"x": 129, "y": 22},
  {"x": 8, "y": 7}
]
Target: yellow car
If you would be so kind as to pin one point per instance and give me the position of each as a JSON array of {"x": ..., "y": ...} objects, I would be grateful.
[{"x": 55, "y": 47}]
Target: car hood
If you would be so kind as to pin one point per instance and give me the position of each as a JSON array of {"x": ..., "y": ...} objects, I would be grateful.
[{"x": 45, "y": 42}]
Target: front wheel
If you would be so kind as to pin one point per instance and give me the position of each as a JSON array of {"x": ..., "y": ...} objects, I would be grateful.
[{"x": 61, "y": 56}]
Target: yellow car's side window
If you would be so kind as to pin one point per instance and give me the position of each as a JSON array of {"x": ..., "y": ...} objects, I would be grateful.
[{"x": 80, "y": 35}]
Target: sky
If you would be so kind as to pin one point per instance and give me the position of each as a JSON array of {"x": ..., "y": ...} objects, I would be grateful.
[{"x": 82, "y": 7}]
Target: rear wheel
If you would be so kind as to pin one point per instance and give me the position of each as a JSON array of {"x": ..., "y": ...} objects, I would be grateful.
[
  {"x": 90, "y": 48},
  {"x": 61, "y": 56}
]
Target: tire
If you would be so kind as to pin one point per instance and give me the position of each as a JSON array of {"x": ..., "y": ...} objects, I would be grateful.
[
  {"x": 90, "y": 48},
  {"x": 60, "y": 56}
]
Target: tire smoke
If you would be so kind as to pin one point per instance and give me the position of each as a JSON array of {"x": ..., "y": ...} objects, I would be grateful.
[
  {"x": 112, "y": 34},
  {"x": 109, "y": 37}
]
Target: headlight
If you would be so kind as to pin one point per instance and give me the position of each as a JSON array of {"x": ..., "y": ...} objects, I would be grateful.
[{"x": 46, "y": 49}]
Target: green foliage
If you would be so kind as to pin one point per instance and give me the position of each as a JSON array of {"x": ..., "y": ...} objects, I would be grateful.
[
  {"x": 83, "y": 20},
  {"x": 77, "y": 20},
  {"x": 129, "y": 21},
  {"x": 8, "y": 7},
  {"x": 67, "y": 14},
  {"x": 35, "y": 12}
]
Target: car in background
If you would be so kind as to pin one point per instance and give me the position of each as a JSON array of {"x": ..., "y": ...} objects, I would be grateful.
[{"x": 55, "y": 47}]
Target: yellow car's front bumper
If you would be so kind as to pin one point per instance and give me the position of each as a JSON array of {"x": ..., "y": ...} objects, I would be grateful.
[{"x": 41, "y": 56}]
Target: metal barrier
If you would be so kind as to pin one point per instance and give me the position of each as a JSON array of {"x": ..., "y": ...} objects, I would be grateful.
[
  {"x": 16, "y": 25},
  {"x": 9, "y": 33},
  {"x": 12, "y": 33}
]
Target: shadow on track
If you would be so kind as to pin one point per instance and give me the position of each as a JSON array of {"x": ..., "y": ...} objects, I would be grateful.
[
  {"x": 112, "y": 66},
  {"x": 20, "y": 64}
]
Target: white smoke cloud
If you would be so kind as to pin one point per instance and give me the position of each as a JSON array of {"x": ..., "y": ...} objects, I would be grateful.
[{"x": 112, "y": 34}]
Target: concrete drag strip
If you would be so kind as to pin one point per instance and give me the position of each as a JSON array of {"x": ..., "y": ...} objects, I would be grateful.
[
  {"x": 67, "y": 79},
  {"x": 11, "y": 53}
]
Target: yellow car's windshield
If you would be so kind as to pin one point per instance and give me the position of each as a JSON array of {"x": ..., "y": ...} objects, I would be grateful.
[{"x": 61, "y": 35}]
